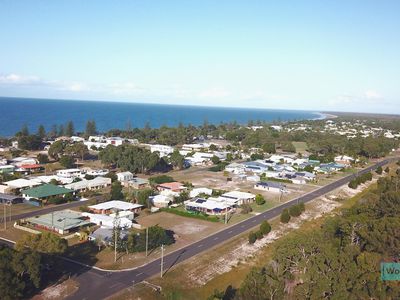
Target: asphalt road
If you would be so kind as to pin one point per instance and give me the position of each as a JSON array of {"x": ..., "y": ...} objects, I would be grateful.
[
  {"x": 99, "y": 285},
  {"x": 95, "y": 284}
]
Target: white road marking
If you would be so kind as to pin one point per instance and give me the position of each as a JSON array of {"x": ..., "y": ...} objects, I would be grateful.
[
  {"x": 216, "y": 238},
  {"x": 138, "y": 274},
  {"x": 199, "y": 246},
  {"x": 230, "y": 231}
]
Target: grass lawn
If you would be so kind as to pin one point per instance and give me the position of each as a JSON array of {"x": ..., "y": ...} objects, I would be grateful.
[
  {"x": 301, "y": 147},
  {"x": 261, "y": 208}
]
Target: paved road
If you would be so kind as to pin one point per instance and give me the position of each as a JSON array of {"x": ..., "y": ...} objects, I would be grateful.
[
  {"x": 54, "y": 208},
  {"x": 96, "y": 284},
  {"x": 99, "y": 285}
]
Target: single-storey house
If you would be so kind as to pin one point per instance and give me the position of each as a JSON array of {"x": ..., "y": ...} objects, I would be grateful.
[
  {"x": 88, "y": 185},
  {"x": 106, "y": 235},
  {"x": 45, "y": 191},
  {"x": 70, "y": 173},
  {"x": 161, "y": 201},
  {"x": 7, "y": 169},
  {"x": 344, "y": 160},
  {"x": 238, "y": 197},
  {"x": 207, "y": 206},
  {"x": 114, "y": 206},
  {"x": 62, "y": 222},
  {"x": 109, "y": 221},
  {"x": 270, "y": 186},
  {"x": 171, "y": 186},
  {"x": 124, "y": 176},
  {"x": 21, "y": 183},
  {"x": 197, "y": 191},
  {"x": 10, "y": 199}
]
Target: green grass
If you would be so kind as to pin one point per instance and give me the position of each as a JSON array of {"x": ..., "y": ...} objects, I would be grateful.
[
  {"x": 185, "y": 213},
  {"x": 261, "y": 208},
  {"x": 301, "y": 147}
]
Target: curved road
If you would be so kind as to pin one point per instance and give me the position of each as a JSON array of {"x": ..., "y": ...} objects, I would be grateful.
[{"x": 95, "y": 284}]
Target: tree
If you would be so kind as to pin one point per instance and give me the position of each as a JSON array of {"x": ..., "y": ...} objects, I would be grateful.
[
  {"x": 285, "y": 216},
  {"x": 215, "y": 160},
  {"x": 70, "y": 129},
  {"x": 29, "y": 142},
  {"x": 91, "y": 128},
  {"x": 142, "y": 196},
  {"x": 78, "y": 150},
  {"x": 269, "y": 148},
  {"x": 116, "y": 191},
  {"x": 183, "y": 196},
  {"x": 260, "y": 199},
  {"x": 56, "y": 149},
  {"x": 41, "y": 132},
  {"x": 177, "y": 160},
  {"x": 67, "y": 161},
  {"x": 379, "y": 170},
  {"x": 252, "y": 237},
  {"x": 42, "y": 158},
  {"x": 45, "y": 242},
  {"x": 265, "y": 227}
]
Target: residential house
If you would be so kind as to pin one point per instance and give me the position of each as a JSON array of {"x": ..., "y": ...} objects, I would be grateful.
[
  {"x": 114, "y": 206},
  {"x": 239, "y": 198},
  {"x": 274, "y": 187},
  {"x": 344, "y": 160},
  {"x": 70, "y": 173},
  {"x": 171, "y": 186},
  {"x": 45, "y": 191},
  {"x": 88, "y": 185},
  {"x": 163, "y": 150},
  {"x": 208, "y": 206},
  {"x": 198, "y": 191},
  {"x": 124, "y": 176}
]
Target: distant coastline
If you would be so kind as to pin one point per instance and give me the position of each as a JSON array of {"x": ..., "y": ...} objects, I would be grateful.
[{"x": 121, "y": 115}]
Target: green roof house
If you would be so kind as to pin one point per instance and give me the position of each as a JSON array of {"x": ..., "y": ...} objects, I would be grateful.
[{"x": 45, "y": 191}]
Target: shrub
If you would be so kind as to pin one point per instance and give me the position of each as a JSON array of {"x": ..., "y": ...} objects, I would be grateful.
[
  {"x": 260, "y": 199},
  {"x": 294, "y": 211},
  {"x": 285, "y": 216},
  {"x": 246, "y": 208},
  {"x": 353, "y": 184},
  {"x": 302, "y": 207},
  {"x": 161, "y": 179},
  {"x": 265, "y": 227},
  {"x": 259, "y": 235},
  {"x": 387, "y": 170},
  {"x": 252, "y": 238},
  {"x": 379, "y": 170}
]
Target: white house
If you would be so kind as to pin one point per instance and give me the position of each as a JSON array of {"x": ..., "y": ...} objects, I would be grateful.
[
  {"x": 109, "y": 221},
  {"x": 235, "y": 168},
  {"x": 20, "y": 161},
  {"x": 238, "y": 197},
  {"x": 21, "y": 183},
  {"x": 197, "y": 191},
  {"x": 344, "y": 160},
  {"x": 70, "y": 173},
  {"x": 270, "y": 186},
  {"x": 161, "y": 200},
  {"x": 124, "y": 176},
  {"x": 164, "y": 150},
  {"x": 93, "y": 184},
  {"x": 208, "y": 206},
  {"x": 115, "y": 141}
]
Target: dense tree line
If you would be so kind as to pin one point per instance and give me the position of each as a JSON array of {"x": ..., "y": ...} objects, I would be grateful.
[
  {"x": 131, "y": 158},
  {"x": 339, "y": 261}
]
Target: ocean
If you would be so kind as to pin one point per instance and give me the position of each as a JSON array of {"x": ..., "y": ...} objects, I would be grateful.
[{"x": 16, "y": 112}]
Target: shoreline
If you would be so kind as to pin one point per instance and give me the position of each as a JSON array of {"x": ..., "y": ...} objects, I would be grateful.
[{"x": 324, "y": 116}]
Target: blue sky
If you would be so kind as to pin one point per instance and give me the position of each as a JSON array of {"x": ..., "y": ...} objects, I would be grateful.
[{"x": 313, "y": 55}]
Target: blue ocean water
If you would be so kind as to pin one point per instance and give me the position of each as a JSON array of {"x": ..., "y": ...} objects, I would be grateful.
[{"x": 15, "y": 112}]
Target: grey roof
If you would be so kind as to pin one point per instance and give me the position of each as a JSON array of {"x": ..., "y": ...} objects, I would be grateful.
[
  {"x": 271, "y": 184},
  {"x": 8, "y": 197},
  {"x": 61, "y": 220}
]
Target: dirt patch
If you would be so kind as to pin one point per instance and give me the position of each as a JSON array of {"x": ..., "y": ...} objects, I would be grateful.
[{"x": 58, "y": 291}]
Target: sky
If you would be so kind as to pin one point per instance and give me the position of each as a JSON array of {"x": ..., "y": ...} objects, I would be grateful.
[{"x": 309, "y": 55}]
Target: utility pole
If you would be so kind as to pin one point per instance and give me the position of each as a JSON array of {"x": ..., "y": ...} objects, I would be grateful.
[
  {"x": 162, "y": 260},
  {"x": 115, "y": 244},
  {"x": 5, "y": 217},
  {"x": 226, "y": 213},
  {"x": 147, "y": 239}
]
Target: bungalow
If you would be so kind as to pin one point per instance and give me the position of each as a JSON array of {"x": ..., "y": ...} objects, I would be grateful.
[
  {"x": 19, "y": 161},
  {"x": 70, "y": 173},
  {"x": 124, "y": 176},
  {"x": 195, "y": 147},
  {"x": 239, "y": 198},
  {"x": 200, "y": 158},
  {"x": 138, "y": 183},
  {"x": 45, "y": 191},
  {"x": 10, "y": 199},
  {"x": 306, "y": 175},
  {"x": 274, "y": 187},
  {"x": 207, "y": 206},
  {"x": 235, "y": 168},
  {"x": 255, "y": 166},
  {"x": 62, "y": 222},
  {"x": 115, "y": 141},
  {"x": 171, "y": 186},
  {"x": 161, "y": 200},
  {"x": 197, "y": 191},
  {"x": 344, "y": 160},
  {"x": 21, "y": 183},
  {"x": 7, "y": 169},
  {"x": 88, "y": 185},
  {"x": 113, "y": 206},
  {"x": 109, "y": 221},
  {"x": 164, "y": 150},
  {"x": 105, "y": 235},
  {"x": 30, "y": 168},
  {"x": 298, "y": 180},
  {"x": 330, "y": 167}
]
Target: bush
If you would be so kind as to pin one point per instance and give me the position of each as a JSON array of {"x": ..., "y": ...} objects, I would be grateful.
[
  {"x": 294, "y": 211},
  {"x": 259, "y": 235},
  {"x": 246, "y": 208},
  {"x": 161, "y": 179},
  {"x": 285, "y": 216},
  {"x": 353, "y": 184},
  {"x": 387, "y": 170},
  {"x": 265, "y": 227},
  {"x": 379, "y": 170},
  {"x": 252, "y": 238},
  {"x": 260, "y": 199},
  {"x": 302, "y": 207}
]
